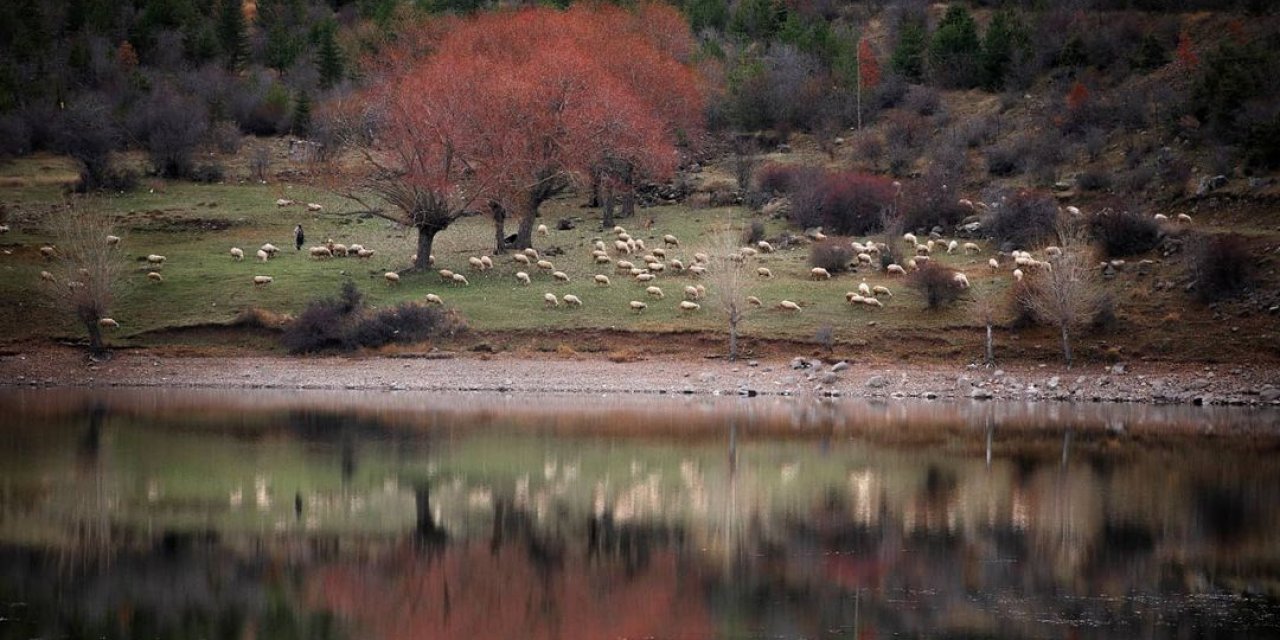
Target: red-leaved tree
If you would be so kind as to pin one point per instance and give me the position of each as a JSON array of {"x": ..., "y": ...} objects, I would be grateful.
[
  {"x": 1187, "y": 52},
  {"x": 511, "y": 108}
]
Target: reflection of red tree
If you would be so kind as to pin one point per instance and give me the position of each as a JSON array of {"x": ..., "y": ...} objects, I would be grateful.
[{"x": 475, "y": 592}]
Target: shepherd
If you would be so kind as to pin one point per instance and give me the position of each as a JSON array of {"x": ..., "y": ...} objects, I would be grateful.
[{"x": 298, "y": 238}]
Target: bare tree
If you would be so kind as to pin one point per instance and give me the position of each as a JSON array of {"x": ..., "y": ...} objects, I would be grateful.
[
  {"x": 984, "y": 310},
  {"x": 1066, "y": 294},
  {"x": 745, "y": 159},
  {"x": 727, "y": 281},
  {"x": 87, "y": 270}
]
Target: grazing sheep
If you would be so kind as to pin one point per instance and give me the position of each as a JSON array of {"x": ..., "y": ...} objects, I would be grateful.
[
  {"x": 521, "y": 258},
  {"x": 364, "y": 254},
  {"x": 341, "y": 251},
  {"x": 311, "y": 206},
  {"x": 1017, "y": 275},
  {"x": 697, "y": 271},
  {"x": 701, "y": 258},
  {"x": 108, "y": 323},
  {"x": 550, "y": 300},
  {"x": 572, "y": 300},
  {"x": 621, "y": 247},
  {"x": 602, "y": 280},
  {"x": 603, "y": 260},
  {"x": 994, "y": 264},
  {"x": 626, "y": 237},
  {"x": 923, "y": 249},
  {"x": 4, "y": 228},
  {"x": 263, "y": 255},
  {"x": 261, "y": 280},
  {"x": 355, "y": 249},
  {"x": 599, "y": 245},
  {"x": 910, "y": 238},
  {"x": 853, "y": 297},
  {"x": 45, "y": 275},
  {"x": 649, "y": 257},
  {"x": 542, "y": 230},
  {"x": 531, "y": 252},
  {"x": 951, "y": 246},
  {"x": 637, "y": 306},
  {"x": 237, "y": 254},
  {"x": 764, "y": 272},
  {"x": 155, "y": 277},
  {"x": 618, "y": 230},
  {"x": 881, "y": 290},
  {"x": 1073, "y": 210},
  {"x": 434, "y": 299},
  {"x": 1184, "y": 218},
  {"x": 787, "y": 305},
  {"x": 1160, "y": 217},
  {"x": 677, "y": 265},
  {"x": 970, "y": 247},
  {"x": 1053, "y": 252},
  {"x": 961, "y": 279},
  {"x": 864, "y": 288},
  {"x": 645, "y": 277},
  {"x": 671, "y": 240},
  {"x": 522, "y": 277},
  {"x": 446, "y": 275},
  {"x": 659, "y": 253},
  {"x": 691, "y": 293},
  {"x": 321, "y": 252},
  {"x": 624, "y": 266},
  {"x": 656, "y": 267},
  {"x": 818, "y": 273},
  {"x": 864, "y": 258},
  {"x": 754, "y": 301},
  {"x": 545, "y": 265},
  {"x": 560, "y": 275},
  {"x": 687, "y": 306},
  {"x": 966, "y": 203},
  {"x": 283, "y": 202},
  {"x": 458, "y": 278},
  {"x": 872, "y": 302},
  {"x": 748, "y": 252},
  {"x": 271, "y": 249},
  {"x": 391, "y": 277},
  {"x": 111, "y": 241},
  {"x": 655, "y": 292},
  {"x": 895, "y": 269},
  {"x": 153, "y": 259},
  {"x": 635, "y": 272},
  {"x": 475, "y": 263}
]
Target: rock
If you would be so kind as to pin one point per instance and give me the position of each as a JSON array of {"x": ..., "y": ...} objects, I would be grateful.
[
  {"x": 784, "y": 148},
  {"x": 840, "y": 366},
  {"x": 1210, "y": 183},
  {"x": 931, "y": 395},
  {"x": 706, "y": 376},
  {"x": 1053, "y": 382},
  {"x": 1269, "y": 394},
  {"x": 753, "y": 363},
  {"x": 799, "y": 363},
  {"x": 829, "y": 378},
  {"x": 1198, "y": 384},
  {"x": 877, "y": 382},
  {"x": 963, "y": 384},
  {"x": 998, "y": 374},
  {"x": 980, "y": 394},
  {"x": 1118, "y": 368}
]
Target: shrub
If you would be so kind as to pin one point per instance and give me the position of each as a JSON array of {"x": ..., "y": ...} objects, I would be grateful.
[
  {"x": 404, "y": 323},
  {"x": 1124, "y": 233},
  {"x": 323, "y": 323},
  {"x": 1221, "y": 266},
  {"x": 171, "y": 127},
  {"x": 260, "y": 162},
  {"x": 1026, "y": 219},
  {"x": 937, "y": 284},
  {"x": 1094, "y": 180},
  {"x": 225, "y": 137},
  {"x": 832, "y": 254},
  {"x": 15, "y": 135},
  {"x": 1004, "y": 160},
  {"x": 87, "y": 132},
  {"x": 209, "y": 173},
  {"x": 847, "y": 203},
  {"x": 785, "y": 178},
  {"x": 753, "y": 233}
]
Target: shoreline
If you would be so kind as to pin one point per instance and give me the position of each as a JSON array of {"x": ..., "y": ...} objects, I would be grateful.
[{"x": 1146, "y": 383}]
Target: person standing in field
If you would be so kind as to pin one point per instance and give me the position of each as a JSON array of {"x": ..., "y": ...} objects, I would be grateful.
[{"x": 298, "y": 238}]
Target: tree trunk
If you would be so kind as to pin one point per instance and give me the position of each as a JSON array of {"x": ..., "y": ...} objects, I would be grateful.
[
  {"x": 991, "y": 352},
  {"x": 499, "y": 228},
  {"x": 733, "y": 334},
  {"x": 593, "y": 200},
  {"x": 606, "y": 216},
  {"x": 528, "y": 218},
  {"x": 426, "y": 236},
  {"x": 1066, "y": 345},
  {"x": 628, "y": 198}
]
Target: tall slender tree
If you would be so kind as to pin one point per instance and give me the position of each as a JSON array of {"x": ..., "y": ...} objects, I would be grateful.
[{"x": 232, "y": 35}]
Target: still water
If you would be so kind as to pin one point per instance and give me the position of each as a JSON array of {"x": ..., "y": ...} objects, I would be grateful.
[{"x": 197, "y": 514}]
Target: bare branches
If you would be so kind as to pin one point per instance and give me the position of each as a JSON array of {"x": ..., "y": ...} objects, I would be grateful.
[
  {"x": 1066, "y": 293},
  {"x": 87, "y": 268},
  {"x": 728, "y": 279}
]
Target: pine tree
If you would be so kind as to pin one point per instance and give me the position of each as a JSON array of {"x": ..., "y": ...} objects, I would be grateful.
[
  {"x": 231, "y": 34},
  {"x": 756, "y": 19},
  {"x": 1073, "y": 54},
  {"x": 1151, "y": 54},
  {"x": 908, "y": 55},
  {"x": 707, "y": 14},
  {"x": 302, "y": 115},
  {"x": 329, "y": 60},
  {"x": 1006, "y": 40},
  {"x": 953, "y": 54}
]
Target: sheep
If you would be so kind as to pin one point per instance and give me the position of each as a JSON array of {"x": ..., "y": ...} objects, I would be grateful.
[
  {"x": 1184, "y": 218},
  {"x": 659, "y": 253},
  {"x": 475, "y": 263},
  {"x": 895, "y": 269},
  {"x": 1053, "y": 252},
  {"x": 521, "y": 258},
  {"x": 645, "y": 277},
  {"x": 602, "y": 280},
  {"x": 1017, "y": 275},
  {"x": 656, "y": 267},
  {"x": 624, "y": 266},
  {"x": 864, "y": 288},
  {"x": 364, "y": 254},
  {"x": 111, "y": 241},
  {"x": 550, "y": 300},
  {"x": 764, "y": 272},
  {"x": 321, "y": 252},
  {"x": 108, "y": 323},
  {"x": 283, "y": 202},
  {"x": 599, "y": 245},
  {"x": 621, "y": 247},
  {"x": 690, "y": 293},
  {"x": 635, "y": 272},
  {"x": 263, "y": 255},
  {"x": 881, "y": 290},
  {"x": 669, "y": 239},
  {"x": 4, "y": 228},
  {"x": 697, "y": 271},
  {"x": 994, "y": 264},
  {"x": 818, "y": 273},
  {"x": 701, "y": 258},
  {"x": 1160, "y": 217},
  {"x": 910, "y": 238},
  {"x": 604, "y": 260},
  {"x": 787, "y": 305},
  {"x": 542, "y": 230},
  {"x": 966, "y": 203},
  {"x": 689, "y": 307},
  {"x": 596, "y": 253},
  {"x": 655, "y": 292},
  {"x": 748, "y": 252},
  {"x": 970, "y": 247},
  {"x": 572, "y": 300},
  {"x": 649, "y": 257},
  {"x": 1073, "y": 210},
  {"x": 754, "y": 301},
  {"x": 873, "y": 302},
  {"x": 311, "y": 206},
  {"x": 961, "y": 279},
  {"x": 392, "y": 278},
  {"x": 864, "y": 258},
  {"x": 560, "y": 276},
  {"x": 677, "y": 265},
  {"x": 341, "y": 251},
  {"x": 522, "y": 278},
  {"x": 626, "y": 237},
  {"x": 155, "y": 277},
  {"x": 458, "y": 278},
  {"x": 261, "y": 280},
  {"x": 356, "y": 248},
  {"x": 531, "y": 252},
  {"x": 951, "y": 246},
  {"x": 270, "y": 249},
  {"x": 45, "y": 275},
  {"x": 618, "y": 230},
  {"x": 545, "y": 265},
  {"x": 237, "y": 254},
  {"x": 445, "y": 275},
  {"x": 858, "y": 247},
  {"x": 637, "y": 306},
  {"x": 853, "y": 297},
  {"x": 434, "y": 299},
  {"x": 923, "y": 249}
]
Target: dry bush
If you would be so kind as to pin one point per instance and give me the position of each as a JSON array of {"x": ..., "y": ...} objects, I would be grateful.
[
  {"x": 1069, "y": 295},
  {"x": 1125, "y": 232},
  {"x": 937, "y": 284},
  {"x": 1221, "y": 266},
  {"x": 1025, "y": 219},
  {"x": 343, "y": 324},
  {"x": 728, "y": 282},
  {"x": 845, "y": 203},
  {"x": 832, "y": 254},
  {"x": 87, "y": 273}
]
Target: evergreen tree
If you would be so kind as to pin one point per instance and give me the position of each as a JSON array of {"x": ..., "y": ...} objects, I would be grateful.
[
  {"x": 908, "y": 55},
  {"x": 329, "y": 60},
  {"x": 953, "y": 54},
  {"x": 231, "y": 34},
  {"x": 707, "y": 14},
  {"x": 1073, "y": 54},
  {"x": 1005, "y": 41},
  {"x": 757, "y": 19},
  {"x": 812, "y": 36},
  {"x": 1151, "y": 55},
  {"x": 302, "y": 115}
]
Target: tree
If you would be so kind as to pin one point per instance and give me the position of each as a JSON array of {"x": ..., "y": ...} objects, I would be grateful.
[
  {"x": 1187, "y": 56},
  {"x": 1151, "y": 54},
  {"x": 231, "y": 34},
  {"x": 87, "y": 272},
  {"x": 1005, "y": 40},
  {"x": 757, "y": 19},
  {"x": 1077, "y": 97},
  {"x": 1067, "y": 294},
  {"x": 302, "y": 115},
  {"x": 172, "y": 126},
  {"x": 87, "y": 132},
  {"x": 707, "y": 14},
  {"x": 913, "y": 42},
  {"x": 329, "y": 60},
  {"x": 868, "y": 72},
  {"x": 984, "y": 310},
  {"x": 954, "y": 50},
  {"x": 727, "y": 281}
]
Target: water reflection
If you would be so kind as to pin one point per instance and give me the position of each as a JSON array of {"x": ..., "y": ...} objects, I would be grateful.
[{"x": 401, "y": 515}]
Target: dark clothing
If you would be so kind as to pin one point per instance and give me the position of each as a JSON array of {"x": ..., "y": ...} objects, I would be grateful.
[{"x": 298, "y": 238}]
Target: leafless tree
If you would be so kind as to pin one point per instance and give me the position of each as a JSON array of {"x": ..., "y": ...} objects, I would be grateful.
[
  {"x": 985, "y": 310},
  {"x": 1067, "y": 294},
  {"x": 87, "y": 269},
  {"x": 745, "y": 158},
  {"x": 727, "y": 281}
]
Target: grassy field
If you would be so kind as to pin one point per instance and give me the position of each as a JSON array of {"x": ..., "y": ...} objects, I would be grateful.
[{"x": 195, "y": 225}]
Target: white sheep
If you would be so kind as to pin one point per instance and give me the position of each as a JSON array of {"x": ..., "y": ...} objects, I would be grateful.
[
  {"x": 635, "y": 272},
  {"x": 283, "y": 202},
  {"x": 881, "y": 290},
  {"x": 550, "y": 300},
  {"x": 602, "y": 280},
  {"x": 655, "y": 292},
  {"x": 341, "y": 251},
  {"x": 687, "y": 306},
  {"x": 671, "y": 240},
  {"x": 4, "y": 228},
  {"x": 923, "y": 249},
  {"x": 864, "y": 288},
  {"x": 1160, "y": 217},
  {"x": 458, "y": 278},
  {"x": 1073, "y": 210},
  {"x": 966, "y": 203},
  {"x": 531, "y": 252},
  {"x": 872, "y": 302},
  {"x": 624, "y": 266},
  {"x": 391, "y": 278},
  {"x": 754, "y": 301},
  {"x": 155, "y": 277},
  {"x": 261, "y": 280},
  {"x": 994, "y": 264},
  {"x": 895, "y": 269},
  {"x": 542, "y": 230},
  {"x": 356, "y": 248},
  {"x": 1017, "y": 275},
  {"x": 764, "y": 272},
  {"x": 599, "y": 244},
  {"x": 572, "y": 300},
  {"x": 111, "y": 241},
  {"x": 521, "y": 258},
  {"x": 853, "y": 297},
  {"x": 677, "y": 265},
  {"x": 560, "y": 276},
  {"x": 691, "y": 293},
  {"x": 787, "y": 305},
  {"x": 701, "y": 258},
  {"x": 864, "y": 258},
  {"x": 263, "y": 255},
  {"x": 698, "y": 271},
  {"x": 656, "y": 267},
  {"x": 108, "y": 323},
  {"x": 970, "y": 247},
  {"x": 637, "y": 306},
  {"x": 434, "y": 299},
  {"x": 1053, "y": 252},
  {"x": 45, "y": 275},
  {"x": 1184, "y": 218},
  {"x": 961, "y": 279},
  {"x": 818, "y": 273},
  {"x": 618, "y": 230},
  {"x": 446, "y": 275},
  {"x": 487, "y": 262},
  {"x": 522, "y": 277},
  {"x": 603, "y": 260},
  {"x": 764, "y": 246},
  {"x": 364, "y": 254},
  {"x": 645, "y": 277},
  {"x": 311, "y": 206},
  {"x": 545, "y": 265},
  {"x": 659, "y": 253},
  {"x": 621, "y": 247},
  {"x": 951, "y": 246},
  {"x": 748, "y": 252},
  {"x": 47, "y": 251},
  {"x": 626, "y": 237},
  {"x": 321, "y": 252},
  {"x": 858, "y": 247},
  {"x": 156, "y": 259},
  {"x": 475, "y": 263},
  {"x": 910, "y": 238},
  {"x": 271, "y": 249},
  {"x": 237, "y": 254}
]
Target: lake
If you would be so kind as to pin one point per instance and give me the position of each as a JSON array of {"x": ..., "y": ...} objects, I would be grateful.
[{"x": 266, "y": 514}]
